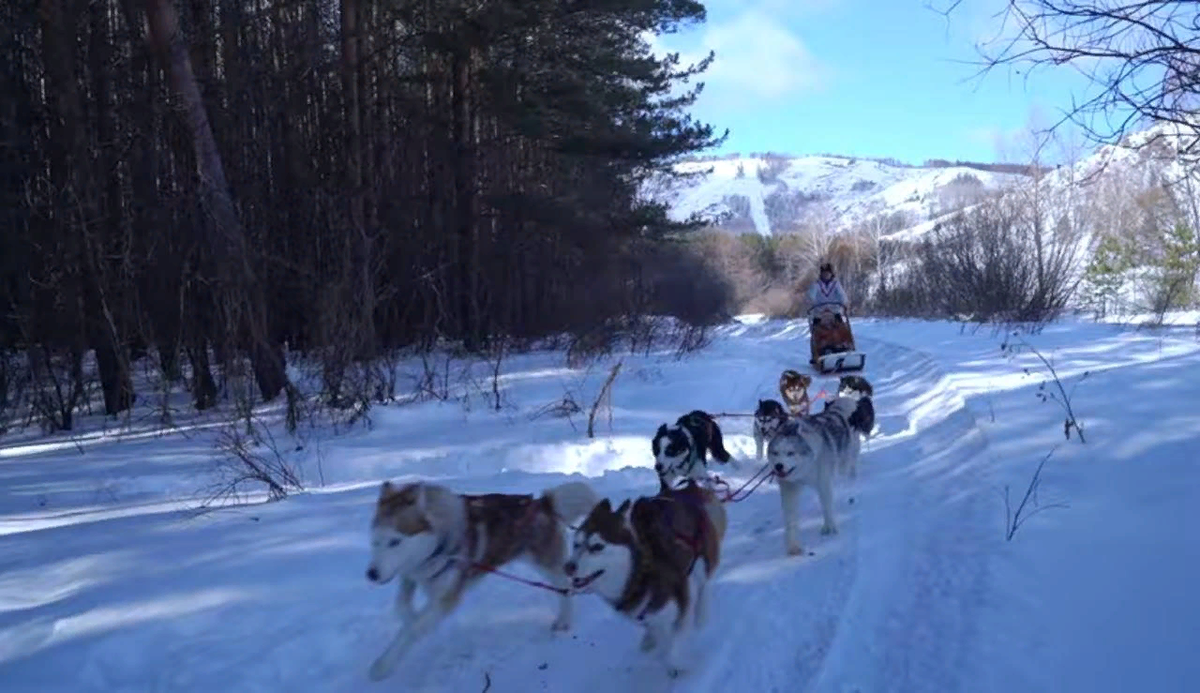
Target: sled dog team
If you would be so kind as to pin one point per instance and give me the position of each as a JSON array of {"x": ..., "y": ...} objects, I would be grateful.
[{"x": 650, "y": 558}]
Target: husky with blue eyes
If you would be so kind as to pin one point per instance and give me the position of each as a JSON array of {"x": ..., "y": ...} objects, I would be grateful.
[
  {"x": 769, "y": 417},
  {"x": 651, "y": 560},
  {"x": 808, "y": 451},
  {"x": 426, "y": 535}
]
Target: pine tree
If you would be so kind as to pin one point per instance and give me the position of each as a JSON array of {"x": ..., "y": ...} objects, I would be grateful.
[
  {"x": 1106, "y": 273},
  {"x": 1180, "y": 264}
]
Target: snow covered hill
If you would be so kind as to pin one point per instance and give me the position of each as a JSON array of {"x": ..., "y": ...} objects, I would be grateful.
[
  {"x": 772, "y": 194},
  {"x": 106, "y": 585},
  {"x": 775, "y": 194}
]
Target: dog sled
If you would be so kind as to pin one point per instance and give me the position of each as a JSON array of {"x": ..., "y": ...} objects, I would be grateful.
[{"x": 831, "y": 341}]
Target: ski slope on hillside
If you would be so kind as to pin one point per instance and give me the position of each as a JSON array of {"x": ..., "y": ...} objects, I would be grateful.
[
  {"x": 839, "y": 191},
  {"x": 106, "y": 585},
  {"x": 835, "y": 193}
]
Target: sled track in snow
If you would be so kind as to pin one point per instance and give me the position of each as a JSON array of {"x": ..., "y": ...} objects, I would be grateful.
[
  {"x": 883, "y": 605},
  {"x": 925, "y": 518},
  {"x": 880, "y": 607}
]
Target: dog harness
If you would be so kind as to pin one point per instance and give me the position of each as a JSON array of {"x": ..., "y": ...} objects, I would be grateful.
[
  {"x": 439, "y": 550},
  {"x": 696, "y": 541}
]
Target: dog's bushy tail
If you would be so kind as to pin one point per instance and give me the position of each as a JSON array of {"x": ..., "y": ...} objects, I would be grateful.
[
  {"x": 571, "y": 500},
  {"x": 716, "y": 445},
  {"x": 863, "y": 418}
]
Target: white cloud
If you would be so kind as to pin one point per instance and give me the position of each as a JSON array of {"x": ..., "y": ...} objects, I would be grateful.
[
  {"x": 985, "y": 134},
  {"x": 777, "y": 8},
  {"x": 757, "y": 57}
]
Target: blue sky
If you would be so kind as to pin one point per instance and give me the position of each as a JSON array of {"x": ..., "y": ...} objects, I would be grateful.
[{"x": 866, "y": 78}]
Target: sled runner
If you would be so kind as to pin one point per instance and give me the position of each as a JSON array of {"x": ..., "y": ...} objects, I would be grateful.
[{"x": 831, "y": 341}]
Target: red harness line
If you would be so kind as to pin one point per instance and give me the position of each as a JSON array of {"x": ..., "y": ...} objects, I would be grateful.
[
  {"x": 530, "y": 516},
  {"x": 517, "y": 578},
  {"x": 731, "y": 496}
]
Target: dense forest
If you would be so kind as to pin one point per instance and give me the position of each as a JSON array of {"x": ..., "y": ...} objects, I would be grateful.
[{"x": 207, "y": 182}]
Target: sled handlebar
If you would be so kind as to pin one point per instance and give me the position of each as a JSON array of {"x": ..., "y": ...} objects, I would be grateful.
[{"x": 813, "y": 309}]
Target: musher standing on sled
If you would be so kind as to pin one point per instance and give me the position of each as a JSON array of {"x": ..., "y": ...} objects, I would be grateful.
[{"x": 827, "y": 289}]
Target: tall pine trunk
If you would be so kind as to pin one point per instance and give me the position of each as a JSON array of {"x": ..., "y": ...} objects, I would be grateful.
[
  {"x": 240, "y": 296},
  {"x": 465, "y": 201},
  {"x": 361, "y": 281},
  {"x": 104, "y": 318}
]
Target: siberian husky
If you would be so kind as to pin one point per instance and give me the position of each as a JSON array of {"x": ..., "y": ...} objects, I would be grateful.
[
  {"x": 426, "y": 535},
  {"x": 769, "y": 417},
  {"x": 651, "y": 560},
  {"x": 793, "y": 388},
  {"x": 807, "y": 452},
  {"x": 865, "y": 411},
  {"x": 859, "y": 388},
  {"x": 681, "y": 451},
  {"x": 855, "y": 386}
]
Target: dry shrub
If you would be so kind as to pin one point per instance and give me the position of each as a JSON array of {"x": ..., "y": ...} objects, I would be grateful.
[
  {"x": 991, "y": 264},
  {"x": 777, "y": 302},
  {"x": 771, "y": 275}
]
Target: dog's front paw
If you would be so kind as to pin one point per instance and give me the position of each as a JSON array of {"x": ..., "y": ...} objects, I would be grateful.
[
  {"x": 648, "y": 642},
  {"x": 829, "y": 529},
  {"x": 560, "y": 625},
  {"x": 674, "y": 672},
  {"x": 380, "y": 669},
  {"x": 795, "y": 550}
]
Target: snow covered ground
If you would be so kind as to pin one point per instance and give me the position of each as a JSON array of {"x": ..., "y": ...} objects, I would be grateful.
[{"x": 107, "y": 584}]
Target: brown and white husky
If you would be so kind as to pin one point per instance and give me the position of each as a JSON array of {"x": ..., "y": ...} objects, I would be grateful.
[
  {"x": 426, "y": 535},
  {"x": 651, "y": 560}
]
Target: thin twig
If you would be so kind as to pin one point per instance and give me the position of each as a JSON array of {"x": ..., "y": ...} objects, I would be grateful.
[
  {"x": 605, "y": 396},
  {"x": 1014, "y": 519}
]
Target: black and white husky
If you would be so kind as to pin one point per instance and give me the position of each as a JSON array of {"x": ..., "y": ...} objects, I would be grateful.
[
  {"x": 808, "y": 451},
  {"x": 681, "y": 451},
  {"x": 855, "y": 386},
  {"x": 864, "y": 410},
  {"x": 769, "y": 417}
]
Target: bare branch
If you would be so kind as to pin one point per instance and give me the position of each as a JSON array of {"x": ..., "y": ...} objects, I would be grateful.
[
  {"x": 1141, "y": 58},
  {"x": 1013, "y": 519},
  {"x": 603, "y": 398}
]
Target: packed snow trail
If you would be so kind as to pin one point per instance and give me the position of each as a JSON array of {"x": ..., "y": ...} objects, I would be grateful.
[
  {"x": 271, "y": 597},
  {"x": 143, "y": 597}
]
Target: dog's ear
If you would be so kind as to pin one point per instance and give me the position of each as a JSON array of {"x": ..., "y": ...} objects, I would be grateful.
[
  {"x": 386, "y": 488},
  {"x": 806, "y": 380},
  {"x": 443, "y": 509},
  {"x": 662, "y": 431},
  {"x": 623, "y": 506}
]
